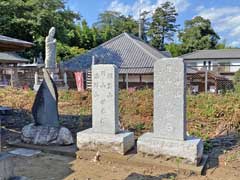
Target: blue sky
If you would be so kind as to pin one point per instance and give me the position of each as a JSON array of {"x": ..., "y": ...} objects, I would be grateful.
[{"x": 224, "y": 14}]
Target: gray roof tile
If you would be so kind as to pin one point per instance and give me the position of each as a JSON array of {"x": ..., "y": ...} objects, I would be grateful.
[
  {"x": 11, "y": 57},
  {"x": 14, "y": 41},
  {"x": 213, "y": 54},
  {"x": 128, "y": 52}
]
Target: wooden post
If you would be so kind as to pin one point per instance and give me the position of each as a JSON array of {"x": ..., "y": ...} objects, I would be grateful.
[
  {"x": 11, "y": 79},
  {"x": 36, "y": 78},
  {"x": 216, "y": 86},
  {"x": 65, "y": 79},
  {"x": 206, "y": 79},
  {"x": 127, "y": 81}
]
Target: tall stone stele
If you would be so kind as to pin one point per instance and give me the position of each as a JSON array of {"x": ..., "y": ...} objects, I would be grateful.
[
  {"x": 105, "y": 134},
  {"x": 46, "y": 129},
  {"x": 50, "y": 50},
  {"x": 169, "y": 121}
]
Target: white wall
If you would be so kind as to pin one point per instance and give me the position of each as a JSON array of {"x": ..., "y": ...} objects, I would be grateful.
[
  {"x": 147, "y": 78},
  {"x": 234, "y": 63},
  {"x": 136, "y": 78}
]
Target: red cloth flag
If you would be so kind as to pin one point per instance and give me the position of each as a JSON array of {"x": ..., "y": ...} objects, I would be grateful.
[{"x": 79, "y": 80}]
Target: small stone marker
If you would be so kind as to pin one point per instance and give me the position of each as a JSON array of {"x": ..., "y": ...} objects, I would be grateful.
[
  {"x": 169, "y": 136},
  {"x": 105, "y": 135},
  {"x": 6, "y": 166}
]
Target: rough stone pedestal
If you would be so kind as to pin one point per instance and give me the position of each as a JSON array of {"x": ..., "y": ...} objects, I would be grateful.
[
  {"x": 6, "y": 166},
  {"x": 120, "y": 142},
  {"x": 190, "y": 149},
  {"x": 44, "y": 135}
]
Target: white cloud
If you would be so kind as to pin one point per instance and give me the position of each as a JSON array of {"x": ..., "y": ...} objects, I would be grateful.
[
  {"x": 234, "y": 44},
  {"x": 119, "y": 7},
  {"x": 144, "y": 5},
  {"x": 199, "y": 8},
  {"x": 225, "y": 20}
]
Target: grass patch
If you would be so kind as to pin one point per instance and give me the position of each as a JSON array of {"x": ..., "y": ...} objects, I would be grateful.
[{"x": 205, "y": 112}]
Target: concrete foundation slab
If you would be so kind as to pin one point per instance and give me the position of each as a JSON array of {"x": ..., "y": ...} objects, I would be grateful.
[
  {"x": 120, "y": 142},
  {"x": 190, "y": 149},
  {"x": 25, "y": 152},
  {"x": 6, "y": 166}
]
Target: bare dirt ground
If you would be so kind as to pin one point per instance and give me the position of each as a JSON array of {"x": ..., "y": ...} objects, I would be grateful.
[{"x": 221, "y": 166}]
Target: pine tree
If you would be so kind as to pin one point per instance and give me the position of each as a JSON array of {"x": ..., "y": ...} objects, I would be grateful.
[{"x": 163, "y": 25}]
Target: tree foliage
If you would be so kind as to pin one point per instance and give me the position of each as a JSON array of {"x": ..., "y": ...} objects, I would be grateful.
[
  {"x": 174, "y": 49},
  {"x": 163, "y": 25},
  {"x": 198, "y": 34},
  {"x": 111, "y": 24},
  {"x": 31, "y": 20}
]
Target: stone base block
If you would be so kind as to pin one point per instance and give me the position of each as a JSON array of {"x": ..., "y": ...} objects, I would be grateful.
[
  {"x": 120, "y": 143},
  {"x": 190, "y": 149},
  {"x": 6, "y": 166}
]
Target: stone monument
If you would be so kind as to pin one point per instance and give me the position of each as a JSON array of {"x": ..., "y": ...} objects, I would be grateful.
[
  {"x": 169, "y": 121},
  {"x": 6, "y": 160},
  {"x": 46, "y": 129},
  {"x": 50, "y": 50},
  {"x": 105, "y": 134}
]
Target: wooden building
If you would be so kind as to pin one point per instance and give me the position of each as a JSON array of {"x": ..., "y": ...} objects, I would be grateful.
[
  {"x": 9, "y": 59},
  {"x": 131, "y": 55},
  {"x": 202, "y": 81}
]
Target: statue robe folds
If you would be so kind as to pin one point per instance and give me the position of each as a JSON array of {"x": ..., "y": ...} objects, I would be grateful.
[
  {"x": 50, "y": 50},
  {"x": 45, "y": 110}
]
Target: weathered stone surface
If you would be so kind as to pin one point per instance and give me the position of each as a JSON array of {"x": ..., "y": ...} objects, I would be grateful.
[
  {"x": 105, "y": 98},
  {"x": 50, "y": 48},
  {"x": 169, "y": 121},
  {"x": 121, "y": 142},
  {"x": 45, "y": 110},
  {"x": 6, "y": 166},
  {"x": 5, "y": 110},
  {"x": 19, "y": 178},
  {"x": 105, "y": 135},
  {"x": 24, "y": 152},
  {"x": 190, "y": 149},
  {"x": 169, "y": 99},
  {"x": 46, "y": 135}
]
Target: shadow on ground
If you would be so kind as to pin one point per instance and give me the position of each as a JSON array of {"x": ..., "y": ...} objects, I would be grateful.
[
  {"x": 136, "y": 176},
  {"x": 218, "y": 146}
]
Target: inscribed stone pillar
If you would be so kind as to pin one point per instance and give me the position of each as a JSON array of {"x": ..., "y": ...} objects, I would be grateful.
[
  {"x": 169, "y": 99},
  {"x": 105, "y": 135},
  {"x": 105, "y": 99},
  {"x": 169, "y": 121}
]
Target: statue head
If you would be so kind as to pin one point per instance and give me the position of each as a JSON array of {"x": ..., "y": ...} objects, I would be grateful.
[{"x": 52, "y": 32}]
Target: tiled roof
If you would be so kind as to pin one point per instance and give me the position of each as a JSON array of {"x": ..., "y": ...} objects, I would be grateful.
[
  {"x": 213, "y": 54},
  {"x": 14, "y": 41},
  {"x": 128, "y": 52},
  {"x": 11, "y": 57}
]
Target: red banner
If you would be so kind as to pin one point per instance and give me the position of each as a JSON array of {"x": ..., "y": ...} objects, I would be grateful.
[{"x": 79, "y": 80}]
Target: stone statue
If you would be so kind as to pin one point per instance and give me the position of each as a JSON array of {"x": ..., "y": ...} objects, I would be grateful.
[
  {"x": 40, "y": 59},
  {"x": 50, "y": 50}
]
